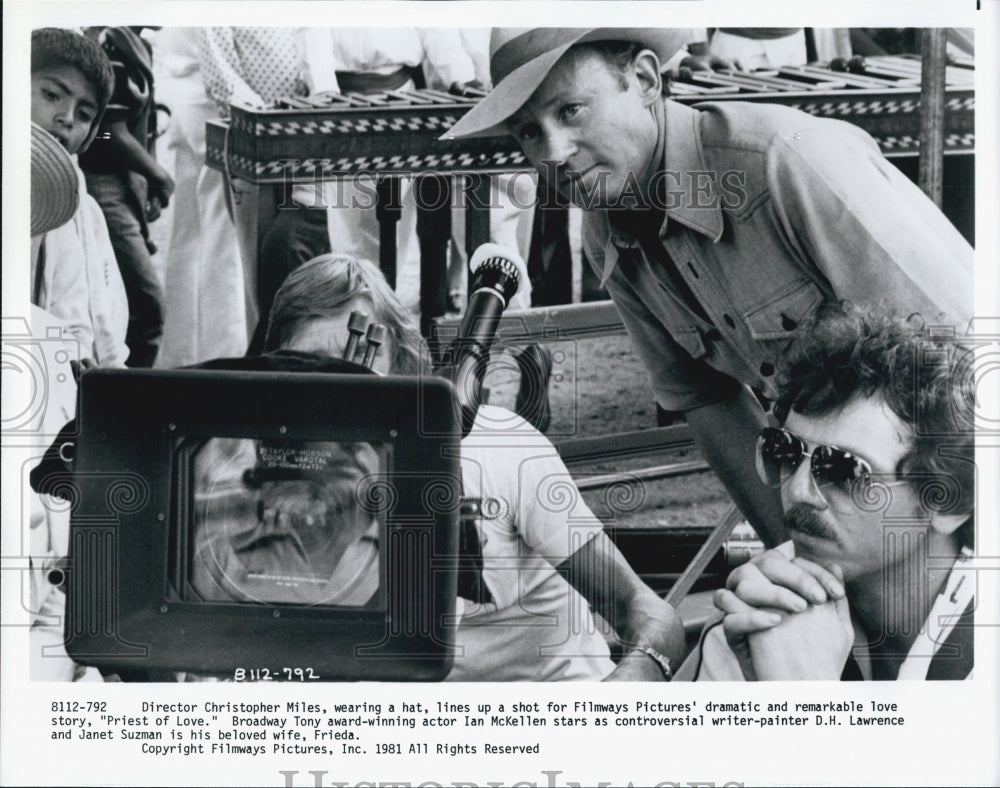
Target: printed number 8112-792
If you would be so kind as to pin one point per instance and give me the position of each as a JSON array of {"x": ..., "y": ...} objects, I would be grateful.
[
  {"x": 76, "y": 705},
  {"x": 278, "y": 674}
]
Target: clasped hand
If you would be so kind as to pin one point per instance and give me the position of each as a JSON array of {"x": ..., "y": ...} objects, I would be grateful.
[{"x": 786, "y": 618}]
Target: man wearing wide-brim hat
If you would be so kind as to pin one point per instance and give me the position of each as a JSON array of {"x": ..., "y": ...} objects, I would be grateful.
[{"x": 717, "y": 228}]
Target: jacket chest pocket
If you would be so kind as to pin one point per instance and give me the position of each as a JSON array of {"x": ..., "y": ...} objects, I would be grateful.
[{"x": 783, "y": 314}]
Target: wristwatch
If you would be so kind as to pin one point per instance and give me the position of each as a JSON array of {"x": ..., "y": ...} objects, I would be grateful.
[{"x": 661, "y": 661}]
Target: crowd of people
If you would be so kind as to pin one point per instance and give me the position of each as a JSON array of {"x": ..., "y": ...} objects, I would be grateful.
[{"x": 763, "y": 292}]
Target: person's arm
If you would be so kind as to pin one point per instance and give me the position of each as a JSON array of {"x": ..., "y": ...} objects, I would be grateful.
[
  {"x": 319, "y": 59},
  {"x": 222, "y": 69},
  {"x": 639, "y": 617},
  {"x": 446, "y": 56},
  {"x": 552, "y": 519},
  {"x": 726, "y": 433},
  {"x": 136, "y": 158}
]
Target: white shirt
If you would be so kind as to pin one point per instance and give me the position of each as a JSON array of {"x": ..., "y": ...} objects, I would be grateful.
[
  {"x": 538, "y": 627},
  {"x": 382, "y": 51},
  {"x": 251, "y": 65}
]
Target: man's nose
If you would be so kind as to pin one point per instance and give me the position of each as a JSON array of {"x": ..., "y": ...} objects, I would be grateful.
[
  {"x": 801, "y": 487},
  {"x": 559, "y": 146}
]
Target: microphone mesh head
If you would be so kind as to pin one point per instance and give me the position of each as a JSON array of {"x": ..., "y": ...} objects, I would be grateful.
[{"x": 499, "y": 268}]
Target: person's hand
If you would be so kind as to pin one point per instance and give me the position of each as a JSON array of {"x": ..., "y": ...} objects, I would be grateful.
[
  {"x": 810, "y": 646},
  {"x": 160, "y": 189},
  {"x": 473, "y": 88},
  {"x": 81, "y": 366},
  {"x": 760, "y": 593},
  {"x": 775, "y": 580},
  {"x": 773, "y": 645},
  {"x": 239, "y": 189}
]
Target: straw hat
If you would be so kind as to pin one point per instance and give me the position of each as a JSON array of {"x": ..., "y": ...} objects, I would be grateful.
[
  {"x": 55, "y": 192},
  {"x": 521, "y": 58}
]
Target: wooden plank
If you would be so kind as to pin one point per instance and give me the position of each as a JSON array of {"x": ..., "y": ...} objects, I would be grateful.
[
  {"x": 580, "y": 451},
  {"x": 653, "y": 473},
  {"x": 705, "y": 556},
  {"x": 932, "y": 105}
]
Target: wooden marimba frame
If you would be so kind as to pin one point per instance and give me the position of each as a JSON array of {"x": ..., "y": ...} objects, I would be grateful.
[{"x": 385, "y": 136}]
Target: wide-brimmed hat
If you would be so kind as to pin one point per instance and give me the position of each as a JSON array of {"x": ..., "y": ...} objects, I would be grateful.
[
  {"x": 55, "y": 194},
  {"x": 521, "y": 58}
]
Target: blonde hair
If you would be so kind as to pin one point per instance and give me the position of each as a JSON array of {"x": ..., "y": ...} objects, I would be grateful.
[{"x": 324, "y": 287}]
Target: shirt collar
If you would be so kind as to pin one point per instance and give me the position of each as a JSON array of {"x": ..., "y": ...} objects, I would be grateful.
[
  {"x": 683, "y": 169},
  {"x": 683, "y": 155}
]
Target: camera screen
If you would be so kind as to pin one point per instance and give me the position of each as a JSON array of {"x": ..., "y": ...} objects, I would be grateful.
[{"x": 282, "y": 521}]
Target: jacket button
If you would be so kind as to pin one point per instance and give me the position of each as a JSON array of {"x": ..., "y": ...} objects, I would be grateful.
[
  {"x": 767, "y": 369},
  {"x": 729, "y": 321},
  {"x": 787, "y": 323}
]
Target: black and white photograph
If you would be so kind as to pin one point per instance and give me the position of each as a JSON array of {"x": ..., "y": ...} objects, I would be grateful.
[{"x": 493, "y": 401}]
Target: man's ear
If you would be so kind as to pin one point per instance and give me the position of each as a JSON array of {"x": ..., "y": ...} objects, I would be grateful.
[
  {"x": 647, "y": 73},
  {"x": 947, "y": 523}
]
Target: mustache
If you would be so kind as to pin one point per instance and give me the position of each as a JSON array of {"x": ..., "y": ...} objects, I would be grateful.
[{"x": 808, "y": 521}]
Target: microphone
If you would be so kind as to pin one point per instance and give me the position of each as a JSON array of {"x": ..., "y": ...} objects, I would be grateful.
[{"x": 498, "y": 272}]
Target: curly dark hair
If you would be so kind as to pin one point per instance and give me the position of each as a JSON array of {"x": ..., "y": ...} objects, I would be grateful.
[
  {"x": 55, "y": 46},
  {"x": 849, "y": 351}
]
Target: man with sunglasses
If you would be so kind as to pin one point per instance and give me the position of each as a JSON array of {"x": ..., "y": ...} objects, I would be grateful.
[
  {"x": 717, "y": 228},
  {"x": 874, "y": 464}
]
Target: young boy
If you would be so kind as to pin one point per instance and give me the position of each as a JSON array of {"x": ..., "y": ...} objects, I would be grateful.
[
  {"x": 54, "y": 201},
  {"x": 75, "y": 275},
  {"x": 125, "y": 179}
]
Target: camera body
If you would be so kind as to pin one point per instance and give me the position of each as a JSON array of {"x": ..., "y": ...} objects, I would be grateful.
[{"x": 159, "y": 503}]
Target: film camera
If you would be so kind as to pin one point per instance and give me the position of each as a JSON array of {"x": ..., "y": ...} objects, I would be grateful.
[
  {"x": 266, "y": 515},
  {"x": 262, "y": 513}
]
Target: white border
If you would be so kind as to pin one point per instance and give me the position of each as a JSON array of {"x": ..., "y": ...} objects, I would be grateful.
[{"x": 955, "y": 727}]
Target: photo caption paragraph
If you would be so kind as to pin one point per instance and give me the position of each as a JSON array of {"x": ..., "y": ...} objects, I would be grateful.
[{"x": 256, "y": 729}]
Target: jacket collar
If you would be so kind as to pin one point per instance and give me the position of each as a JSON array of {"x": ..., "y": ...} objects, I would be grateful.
[{"x": 691, "y": 195}]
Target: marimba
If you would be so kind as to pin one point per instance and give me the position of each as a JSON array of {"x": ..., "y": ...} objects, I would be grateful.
[
  {"x": 382, "y": 135},
  {"x": 396, "y": 132},
  {"x": 329, "y": 136},
  {"x": 882, "y": 96}
]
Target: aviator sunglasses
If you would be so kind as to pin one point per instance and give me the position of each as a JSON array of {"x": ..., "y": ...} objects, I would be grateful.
[{"x": 780, "y": 452}]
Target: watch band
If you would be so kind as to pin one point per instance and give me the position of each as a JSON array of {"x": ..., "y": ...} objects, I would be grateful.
[{"x": 661, "y": 661}]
